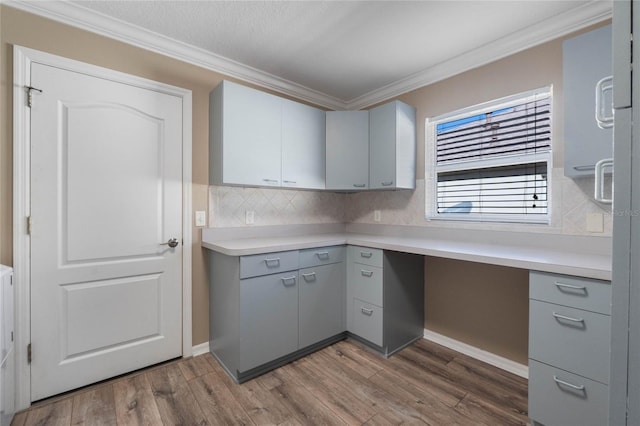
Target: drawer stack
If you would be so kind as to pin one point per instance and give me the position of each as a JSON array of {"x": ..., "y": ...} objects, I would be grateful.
[
  {"x": 385, "y": 297},
  {"x": 569, "y": 339},
  {"x": 366, "y": 301}
]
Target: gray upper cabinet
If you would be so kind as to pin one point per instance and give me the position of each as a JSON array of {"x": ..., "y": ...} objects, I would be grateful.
[
  {"x": 245, "y": 136},
  {"x": 347, "y": 150},
  {"x": 258, "y": 139},
  {"x": 586, "y": 60},
  {"x": 392, "y": 146},
  {"x": 303, "y": 146}
]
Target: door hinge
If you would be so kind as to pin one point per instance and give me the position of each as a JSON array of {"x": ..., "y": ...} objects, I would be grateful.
[
  {"x": 29, "y": 353},
  {"x": 30, "y": 90},
  {"x": 28, "y": 225}
]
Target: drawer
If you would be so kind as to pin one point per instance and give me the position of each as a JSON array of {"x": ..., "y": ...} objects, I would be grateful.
[
  {"x": 366, "y": 283},
  {"x": 367, "y": 321},
  {"x": 321, "y": 256},
  {"x": 571, "y": 339},
  {"x": 365, "y": 255},
  {"x": 268, "y": 263},
  {"x": 557, "y": 397},
  {"x": 581, "y": 293}
]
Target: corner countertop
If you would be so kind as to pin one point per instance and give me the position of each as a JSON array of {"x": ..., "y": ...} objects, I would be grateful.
[{"x": 556, "y": 254}]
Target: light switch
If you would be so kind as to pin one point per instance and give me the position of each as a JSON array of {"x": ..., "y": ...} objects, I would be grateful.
[
  {"x": 201, "y": 218},
  {"x": 249, "y": 217},
  {"x": 377, "y": 216},
  {"x": 595, "y": 222}
]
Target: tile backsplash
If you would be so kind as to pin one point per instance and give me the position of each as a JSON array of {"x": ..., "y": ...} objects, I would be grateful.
[{"x": 271, "y": 206}]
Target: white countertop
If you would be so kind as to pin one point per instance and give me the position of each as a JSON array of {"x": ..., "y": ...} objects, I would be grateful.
[{"x": 548, "y": 258}]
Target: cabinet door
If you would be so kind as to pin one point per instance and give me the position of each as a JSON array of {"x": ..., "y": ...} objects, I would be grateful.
[
  {"x": 245, "y": 136},
  {"x": 392, "y": 146},
  {"x": 303, "y": 146},
  {"x": 321, "y": 303},
  {"x": 268, "y": 318},
  {"x": 586, "y": 60},
  {"x": 347, "y": 150}
]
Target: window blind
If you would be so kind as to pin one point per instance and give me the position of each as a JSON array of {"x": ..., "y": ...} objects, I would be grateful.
[
  {"x": 521, "y": 129},
  {"x": 508, "y": 190},
  {"x": 491, "y": 162}
]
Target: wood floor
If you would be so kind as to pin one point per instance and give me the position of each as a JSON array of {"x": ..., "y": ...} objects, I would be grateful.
[{"x": 342, "y": 384}]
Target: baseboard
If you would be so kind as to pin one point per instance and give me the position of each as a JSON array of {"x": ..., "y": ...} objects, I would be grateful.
[
  {"x": 200, "y": 349},
  {"x": 479, "y": 354}
]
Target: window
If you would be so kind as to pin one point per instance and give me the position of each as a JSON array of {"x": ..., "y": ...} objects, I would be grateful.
[{"x": 491, "y": 162}]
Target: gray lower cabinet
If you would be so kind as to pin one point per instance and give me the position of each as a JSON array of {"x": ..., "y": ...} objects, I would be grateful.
[
  {"x": 385, "y": 297},
  {"x": 320, "y": 303},
  {"x": 268, "y": 309},
  {"x": 268, "y": 318},
  {"x": 569, "y": 338}
]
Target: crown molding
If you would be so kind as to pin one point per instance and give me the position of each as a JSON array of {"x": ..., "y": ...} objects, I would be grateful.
[
  {"x": 560, "y": 25},
  {"x": 89, "y": 20},
  {"x": 95, "y": 22}
]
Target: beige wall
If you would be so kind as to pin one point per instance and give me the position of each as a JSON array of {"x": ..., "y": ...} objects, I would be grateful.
[{"x": 486, "y": 306}]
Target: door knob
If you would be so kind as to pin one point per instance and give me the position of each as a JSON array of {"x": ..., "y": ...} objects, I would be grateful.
[{"x": 173, "y": 242}]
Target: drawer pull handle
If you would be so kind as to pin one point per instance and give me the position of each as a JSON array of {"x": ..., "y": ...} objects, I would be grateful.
[
  {"x": 366, "y": 273},
  {"x": 566, "y": 318},
  {"x": 359, "y": 185},
  {"x": 272, "y": 263},
  {"x": 270, "y": 180},
  {"x": 309, "y": 277},
  {"x": 289, "y": 281},
  {"x": 567, "y": 384},
  {"x": 366, "y": 254},
  {"x": 387, "y": 183},
  {"x": 562, "y": 286},
  {"x": 322, "y": 255},
  {"x": 366, "y": 311}
]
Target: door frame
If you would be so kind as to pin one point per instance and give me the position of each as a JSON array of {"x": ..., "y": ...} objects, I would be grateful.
[{"x": 22, "y": 59}]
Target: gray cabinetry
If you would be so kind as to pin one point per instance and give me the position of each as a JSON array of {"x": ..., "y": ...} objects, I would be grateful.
[
  {"x": 268, "y": 309},
  {"x": 321, "y": 294},
  {"x": 392, "y": 146},
  {"x": 347, "y": 150},
  {"x": 258, "y": 139},
  {"x": 303, "y": 146},
  {"x": 268, "y": 318},
  {"x": 569, "y": 336},
  {"x": 385, "y": 297},
  {"x": 245, "y": 136},
  {"x": 586, "y": 60}
]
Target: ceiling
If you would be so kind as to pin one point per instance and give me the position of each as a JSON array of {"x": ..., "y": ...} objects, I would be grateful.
[{"x": 340, "y": 54}]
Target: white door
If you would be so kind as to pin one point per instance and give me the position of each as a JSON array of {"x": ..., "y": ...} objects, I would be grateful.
[{"x": 106, "y": 192}]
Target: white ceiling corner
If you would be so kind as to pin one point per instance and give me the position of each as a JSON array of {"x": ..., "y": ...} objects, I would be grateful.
[
  {"x": 558, "y": 26},
  {"x": 574, "y": 15}
]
